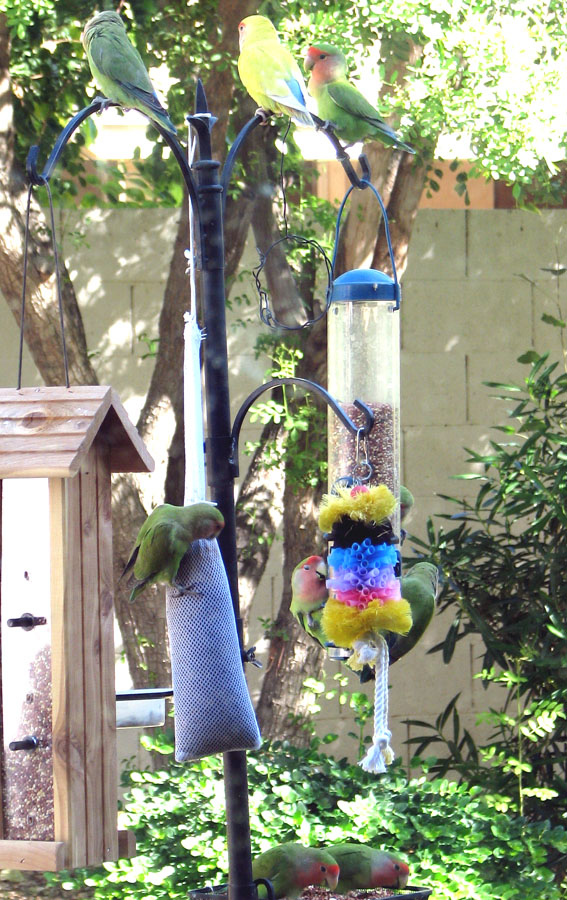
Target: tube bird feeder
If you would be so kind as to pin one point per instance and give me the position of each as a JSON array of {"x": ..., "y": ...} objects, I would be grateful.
[{"x": 363, "y": 330}]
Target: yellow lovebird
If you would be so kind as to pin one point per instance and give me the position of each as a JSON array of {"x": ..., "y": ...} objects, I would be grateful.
[{"x": 269, "y": 72}]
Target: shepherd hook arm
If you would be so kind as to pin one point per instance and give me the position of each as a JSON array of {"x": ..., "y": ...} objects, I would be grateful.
[
  {"x": 98, "y": 104},
  {"x": 309, "y": 385}
]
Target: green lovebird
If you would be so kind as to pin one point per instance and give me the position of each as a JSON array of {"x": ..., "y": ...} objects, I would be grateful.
[
  {"x": 118, "y": 68},
  {"x": 362, "y": 867},
  {"x": 293, "y": 867},
  {"x": 406, "y": 501},
  {"x": 309, "y": 595},
  {"x": 163, "y": 540},
  {"x": 419, "y": 588},
  {"x": 269, "y": 72},
  {"x": 341, "y": 104}
]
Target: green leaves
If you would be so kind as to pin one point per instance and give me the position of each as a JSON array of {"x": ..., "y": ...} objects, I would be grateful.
[
  {"x": 505, "y": 581},
  {"x": 456, "y": 840}
]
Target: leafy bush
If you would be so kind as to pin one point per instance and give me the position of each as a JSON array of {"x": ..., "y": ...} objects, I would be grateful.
[
  {"x": 455, "y": 841},
  {"x": 504, "y": 560}
]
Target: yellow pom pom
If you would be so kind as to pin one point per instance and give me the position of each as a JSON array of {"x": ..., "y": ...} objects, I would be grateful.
[
  {"x": 344, "y": 624},
  {"x": 372, "y": 505}
]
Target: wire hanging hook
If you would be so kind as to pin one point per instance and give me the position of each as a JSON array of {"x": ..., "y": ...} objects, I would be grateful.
[
  {"x": 57, "y": 282},
  {"x": 363, "y": 468},
  {"x": 265, "y": 312}
]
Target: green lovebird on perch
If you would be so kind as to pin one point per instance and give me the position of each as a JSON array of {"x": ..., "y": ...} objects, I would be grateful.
[
  {"x": 118, "y": 68},
  {"x": 163, "y": 541},
  {"x": 341, "y": 104},
  {"x": 293, "y": 867},
  {"x": 362, "y": 867}
]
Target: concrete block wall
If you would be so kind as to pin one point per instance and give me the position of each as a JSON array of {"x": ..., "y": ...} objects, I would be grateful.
[{"x": 473, "y": 295}]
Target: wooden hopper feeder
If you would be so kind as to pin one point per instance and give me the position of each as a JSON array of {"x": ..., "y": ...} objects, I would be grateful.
[{"x": 58, "y": 776}]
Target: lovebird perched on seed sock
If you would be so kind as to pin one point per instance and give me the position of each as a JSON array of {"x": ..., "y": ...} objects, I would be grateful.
[
  {"x": 269, "y": 72},
  {"x": 341, "y": 104},
  {"x": 309, "y": 594},
  {"x": 163, "y": 540},
  {"x": 118, "y": 68},
  {"x": 293, "y": 867},
  {"x": 362, "y": 867}
]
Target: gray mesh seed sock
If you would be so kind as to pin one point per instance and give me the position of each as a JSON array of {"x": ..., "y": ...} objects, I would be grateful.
[{"x": 213, "y": 710}]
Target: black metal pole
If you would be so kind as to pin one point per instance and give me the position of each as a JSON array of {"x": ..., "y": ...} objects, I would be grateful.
[{"x": 219, "y": 471}]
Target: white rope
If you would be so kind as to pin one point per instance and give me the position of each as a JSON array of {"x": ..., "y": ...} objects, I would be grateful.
[{"x": 374, "y": 652}]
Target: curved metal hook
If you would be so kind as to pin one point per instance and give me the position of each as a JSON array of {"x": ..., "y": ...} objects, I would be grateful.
[
  {"x": 268, "y": 885},
  {"x": 309, "y": 385},
  {"x": 233, "y": 153},
  {"x": 98, "y": 104},
  {"x": 38, "y": 178}
]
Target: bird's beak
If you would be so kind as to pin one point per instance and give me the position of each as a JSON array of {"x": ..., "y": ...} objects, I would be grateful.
[
  {"x": 309, "y": 60},
  {"x": 322, "y": 572},
  {"x": 332, "y": 877},
  {"x": 403, "y": 878}
]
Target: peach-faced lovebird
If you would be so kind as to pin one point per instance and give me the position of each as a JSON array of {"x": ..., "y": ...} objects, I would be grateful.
[
  {"x": 163, "y": 540},
  {"x": 118, "y": 68},
  {"x": 419, "y": 588},
  {"x": 293, "y": 867},
  {"x": 309, "y": 594},
  {"x": 341, "y": 104},
  {"x": 362, "y": 868},
  {"x": 269, "y": 72}
]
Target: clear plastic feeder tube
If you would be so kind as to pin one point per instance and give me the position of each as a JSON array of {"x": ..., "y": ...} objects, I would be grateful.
[{"x": 364, "y": 364}]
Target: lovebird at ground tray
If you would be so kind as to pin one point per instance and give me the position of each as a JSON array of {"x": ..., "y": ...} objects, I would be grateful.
[
  {"x": 362, "y": 867},
  {"x": 340, "y": 103},
  {"x": 293, "y": 867},
  {"x": 118, "y": 68},
  {"x": 269, "y": 72},
  {"x": 163, "y": 541}
]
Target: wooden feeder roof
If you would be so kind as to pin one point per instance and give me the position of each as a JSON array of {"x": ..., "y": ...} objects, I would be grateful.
[{"x": 46, "y": 432}]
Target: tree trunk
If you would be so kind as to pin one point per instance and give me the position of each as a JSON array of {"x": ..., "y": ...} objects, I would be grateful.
[
  {"x": 258, "y": 514},
  {"x": 402, "y": 211},
  {"x": 42, "y": 329},
  {"x": 282, "y": 709},
  {"x": 293, "y": 656}
]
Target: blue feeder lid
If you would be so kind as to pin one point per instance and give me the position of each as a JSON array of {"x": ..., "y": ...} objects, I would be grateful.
[{"x": 365, "y": 284}]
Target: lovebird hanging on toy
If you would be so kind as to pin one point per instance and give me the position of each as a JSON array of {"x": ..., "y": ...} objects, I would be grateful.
[
  {"x": 118, "y": 68},
  {"x": 163, "y": 541},
  {"x": 362, "y": 868},
  {"x": 341, "y": 104},
  {"x": 292, "y": 867},
  {"x": 309, "y": 594},
  {"x": 269, "y": 72},
  {"x": 419, "y": 587}
]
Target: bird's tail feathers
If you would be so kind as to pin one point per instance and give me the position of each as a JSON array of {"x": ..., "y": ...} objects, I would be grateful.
[
  {"x": 154, "y": 106},
  {"x": 131, "y": 562}
]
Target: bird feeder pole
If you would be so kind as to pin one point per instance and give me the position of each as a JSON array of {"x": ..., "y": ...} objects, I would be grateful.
[{"x": 207, "y": 190}]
